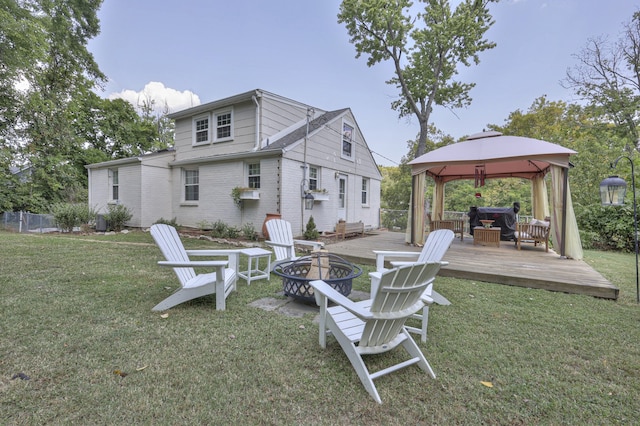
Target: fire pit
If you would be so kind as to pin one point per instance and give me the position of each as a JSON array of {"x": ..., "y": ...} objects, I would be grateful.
[{"x": 334, "y": 270}]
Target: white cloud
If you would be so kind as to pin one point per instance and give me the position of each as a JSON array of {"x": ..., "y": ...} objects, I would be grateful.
[{"x": 160, "y": 95}]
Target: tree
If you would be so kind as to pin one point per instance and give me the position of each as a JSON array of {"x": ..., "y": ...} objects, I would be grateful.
[
  {"x": 425, "y": 57},
  {"x": 608, "y": 77}
]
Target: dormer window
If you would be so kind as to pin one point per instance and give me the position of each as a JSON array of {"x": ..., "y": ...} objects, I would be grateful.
[
  {"x": 212, "y": 128},
  {"x": 201, "y": 133},
  {"x": 224, "y": 126}
]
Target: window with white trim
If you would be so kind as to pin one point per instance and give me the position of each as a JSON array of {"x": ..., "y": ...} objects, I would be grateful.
[
  {"x": 313, "y": 178},
  {"x": 254, "y": 175},
  {"x": 191, "y": 184},
  {"x": 347, "y": 141},
  {"x": 115, "y": 185},
  {"x": 201, "y": 133},
  {"x": 224, "y": 125},
  {"x": 365, "y": 191}
]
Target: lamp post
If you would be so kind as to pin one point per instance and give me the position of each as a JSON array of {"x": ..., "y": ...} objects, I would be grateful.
[{"x": 612, "y": 192}]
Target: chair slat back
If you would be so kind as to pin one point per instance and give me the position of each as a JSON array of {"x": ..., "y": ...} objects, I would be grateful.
[
  {"x": 168, "y": 240},
  {"x": 437, "y": 244},
  {"x": 280, "y": 232},
  {"x": 397, "y": 298}
]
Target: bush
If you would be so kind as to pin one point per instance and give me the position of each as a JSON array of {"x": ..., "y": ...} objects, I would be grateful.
[
  {"x": 232, "y": 232},
  {"x": 173, "y": 222},
  {"x": 69, "y": 215},
  {"x": 249, "y": 232},
  {"x": 219, "y": 229},
  {"x": 606, "y": 228},
  {"x": 117, "y": 215},
  {"x": 311, "y": 233}
]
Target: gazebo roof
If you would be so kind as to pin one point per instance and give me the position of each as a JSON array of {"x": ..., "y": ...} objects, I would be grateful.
[{"x": 498, "y": 155}]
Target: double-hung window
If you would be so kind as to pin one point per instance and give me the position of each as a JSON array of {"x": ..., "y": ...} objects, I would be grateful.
[
  {"x": 201, "y": 134},
  {"x": 224, "y": 126},
  {"x": 365, "y": 191},
  {"x": 191, "y": 185},
  {"x": 115, "y": 185},
  {"x": 313, "y": 178},
  {"x": 347, "y": 141},
  {"x": 254, "y": 175}
]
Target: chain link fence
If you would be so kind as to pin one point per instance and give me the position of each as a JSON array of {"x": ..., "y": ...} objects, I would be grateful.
[{"x": 28, "y": 222}]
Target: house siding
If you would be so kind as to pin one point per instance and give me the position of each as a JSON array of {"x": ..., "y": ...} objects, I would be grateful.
[
  {"x": 277, "y": 115},
  {"x": 244, "y": 124},
  {"x": 156, "y": 195},
  {"x": 153, "y": 187}
]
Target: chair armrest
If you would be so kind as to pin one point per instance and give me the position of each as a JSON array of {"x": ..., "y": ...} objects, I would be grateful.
[
  {"x": 212, "y": 252},
  {"x": 398, "y": 263},
  {"x": 232, "y": 254},
  {"x": 276, "y": 244},
  {"x": 381, "y": 254},
  {"x": 199, "y": 263},
  {"x": 315, "y": 244},
  {"x": 324, "y": 290}
]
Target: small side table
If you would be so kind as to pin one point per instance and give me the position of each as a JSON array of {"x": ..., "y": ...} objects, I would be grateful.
[
  {"x": 253, "y": 271},
  {"x": 486, "y": 236}
]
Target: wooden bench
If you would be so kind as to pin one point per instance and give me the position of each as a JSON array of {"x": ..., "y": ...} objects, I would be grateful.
[
  {"x": 536, "y": 231},
  {"x": 345, "y": 228}
]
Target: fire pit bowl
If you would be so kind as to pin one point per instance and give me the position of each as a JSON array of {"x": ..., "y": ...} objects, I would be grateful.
[{"x": 334, "y": 270}]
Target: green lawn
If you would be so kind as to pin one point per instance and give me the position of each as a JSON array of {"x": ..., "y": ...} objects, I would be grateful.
[{"x": 74, "y": 309}]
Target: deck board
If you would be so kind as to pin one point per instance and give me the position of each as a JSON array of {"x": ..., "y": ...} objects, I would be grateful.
[{"x": 530, "y": 267}]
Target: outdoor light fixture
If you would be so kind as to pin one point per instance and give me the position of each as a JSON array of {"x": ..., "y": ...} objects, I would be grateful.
[
  {"x": 308, "y": 201},
  {"x": 306, "y": 195},
  {"x": 612, "y": 192}
]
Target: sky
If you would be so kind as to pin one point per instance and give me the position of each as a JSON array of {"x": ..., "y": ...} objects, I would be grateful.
[{"x": 183, "y": 53}]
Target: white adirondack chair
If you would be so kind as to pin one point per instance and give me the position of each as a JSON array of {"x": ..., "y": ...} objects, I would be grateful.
[
  {"x": 437, "y": 244},
  {"x": 282, "y": 242},
  {"x": 377, "y": 325},
  {"x": 221, "y": 282}
]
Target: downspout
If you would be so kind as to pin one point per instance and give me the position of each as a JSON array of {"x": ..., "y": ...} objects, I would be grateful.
[{"x": 257, "y": 144}]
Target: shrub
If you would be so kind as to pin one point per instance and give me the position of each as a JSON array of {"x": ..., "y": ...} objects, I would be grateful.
[
  {"x": 173, "y": 222},
  {"x": 70, "y": 215},
  {"x": 117, "y": 215},
  {"x": 249, "y": 232},
  {"x": 311, "y": 233},
  {"x": 232, "y": 232},
  {"x": 219, "y": 229}
]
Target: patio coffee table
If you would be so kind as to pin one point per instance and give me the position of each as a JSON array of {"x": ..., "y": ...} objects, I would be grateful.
[{"x": 486, "y": 236}]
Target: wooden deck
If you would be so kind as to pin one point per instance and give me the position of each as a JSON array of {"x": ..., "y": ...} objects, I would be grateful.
[{"x": 530, "y": 267}]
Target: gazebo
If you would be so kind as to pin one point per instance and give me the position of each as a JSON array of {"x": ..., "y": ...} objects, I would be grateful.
[{"x": 491, "y": 155}]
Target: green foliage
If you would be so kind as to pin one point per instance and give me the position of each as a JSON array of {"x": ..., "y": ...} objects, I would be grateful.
[
  {"x": 117, "y": 215},
  {"x": 235, "y": 194},
  {"x": 171, "y": 222},
  {"x": 311, "y": 232},
  {"x": 607, "y": 227},
  {"x": 394, "y": 219},
  {"x": 425, "y": 49},
  {"x": 69, "y": 216},
  {"x": 219, "y": 229},
  {"x": 248, "y": 231}
]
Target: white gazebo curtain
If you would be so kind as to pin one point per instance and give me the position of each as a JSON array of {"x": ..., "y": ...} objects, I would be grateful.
[
  {"x": 572, "y": 244},
  {"x": 539, "y": 198}
]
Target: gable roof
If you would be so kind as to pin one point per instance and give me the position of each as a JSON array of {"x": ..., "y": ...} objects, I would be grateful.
[{"x": 299, "y": 133}]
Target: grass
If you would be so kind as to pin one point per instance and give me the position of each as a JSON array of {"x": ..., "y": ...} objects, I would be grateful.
[{"x": 74, "y": 309}]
